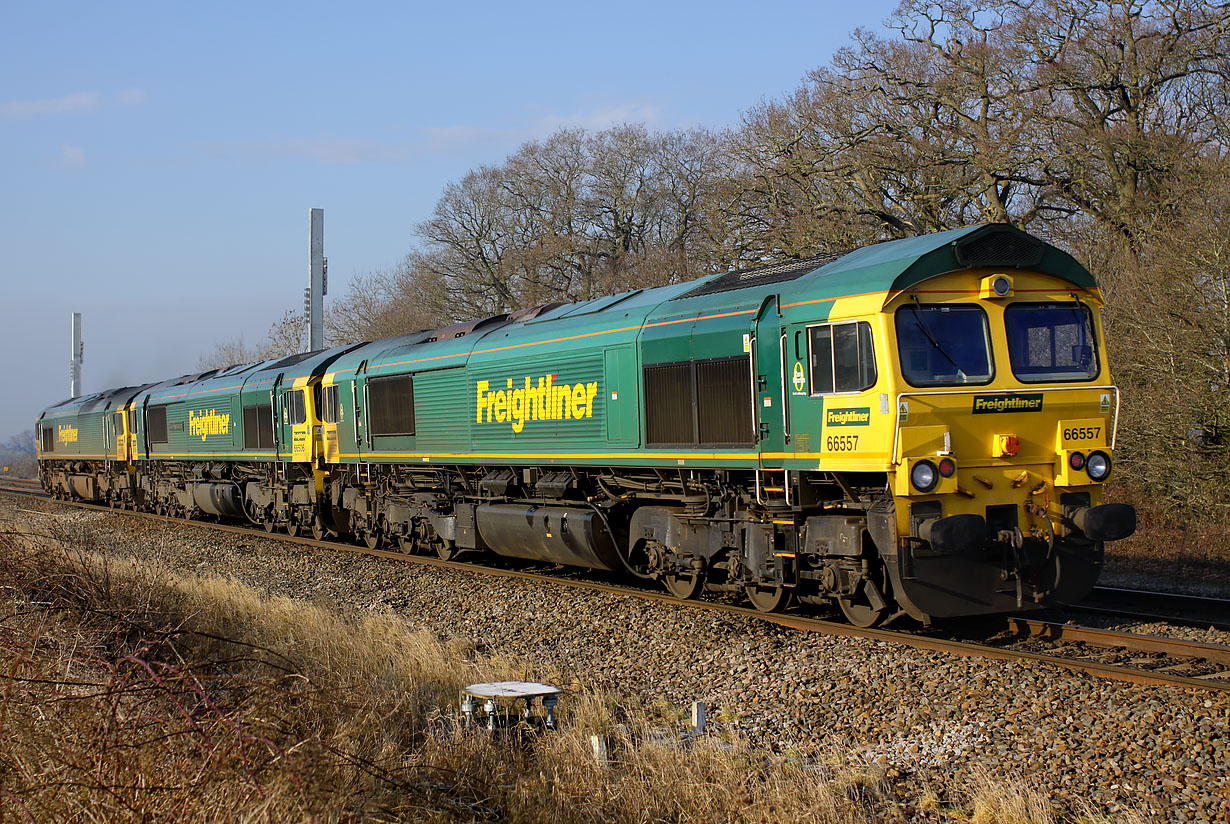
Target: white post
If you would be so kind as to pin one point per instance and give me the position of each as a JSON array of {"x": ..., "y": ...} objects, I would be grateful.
[
  {"x": 316, "y": 310},
  {"x": 698, "y": 717},
  {"x": 74, "y": 365}
]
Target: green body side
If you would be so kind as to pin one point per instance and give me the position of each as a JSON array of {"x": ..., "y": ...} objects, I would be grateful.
[
  {"x": 84, "y": 428},
  {"x": 607, "y": 342},
  {"x": 205, "y": 415},
  {"x": 601, "y": 346}
]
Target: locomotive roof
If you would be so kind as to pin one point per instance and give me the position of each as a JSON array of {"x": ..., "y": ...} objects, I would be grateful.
[
  {"x": 886, "y": 267},
  {"x": 895, "y": 265},
  {"x": 94, "y": 401}
]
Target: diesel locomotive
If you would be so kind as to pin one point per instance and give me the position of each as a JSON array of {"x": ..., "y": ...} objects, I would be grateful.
[{"x": 920, "y": 428}]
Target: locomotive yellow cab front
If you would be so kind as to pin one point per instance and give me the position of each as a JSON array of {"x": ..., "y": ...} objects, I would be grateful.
[{"x": 1004, "y": 434}]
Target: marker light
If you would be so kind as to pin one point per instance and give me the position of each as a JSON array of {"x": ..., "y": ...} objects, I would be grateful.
[
  {"x": 948, "y": 468},
  {"x": 1077, "y": 460},
  {"x": 1001, "y": 285},
  {"x": 924, "y": 476},
  {"x": 1098, "y": 466}
]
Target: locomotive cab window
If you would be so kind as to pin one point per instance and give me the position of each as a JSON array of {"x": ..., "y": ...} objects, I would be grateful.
[
  {"x": 298, "y": 409},
  {"x": 328, "y": 405},
  {"x": 49, "y": 439},
  {"x": 842, "y": 358},
  {"x": 1051, "y": 342},
  {"x": 943, "y": 345}
]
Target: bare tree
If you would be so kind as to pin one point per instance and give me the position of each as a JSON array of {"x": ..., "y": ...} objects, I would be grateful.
[
  {"x": 229, "y": 353},
  {"x": 22, "y": 443},
  {"x": 1129, "y": 85},
  {"x": 17, "y": 456}
]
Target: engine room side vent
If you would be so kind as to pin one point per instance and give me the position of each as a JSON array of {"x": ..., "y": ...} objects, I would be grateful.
[
  {"x": 699, "y": 403},
  {"x": 762, "y": 275},
  {"x": 391, "y": 405},
  {"x": 669, "y": 416},
  {"x": 156, "y": 424},
  {"x": 999, "y": 246},
  {"x": 258, "y": 426},
  {"x": 724, "y": 402}
]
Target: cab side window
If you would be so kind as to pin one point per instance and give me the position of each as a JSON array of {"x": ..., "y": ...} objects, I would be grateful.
[
  {"x": 842, "y": 358},
  {"x": 298, "y": 409},
  {"x": 328, "y": 409}
]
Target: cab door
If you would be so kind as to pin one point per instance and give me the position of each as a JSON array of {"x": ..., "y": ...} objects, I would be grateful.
[
  {"x": 769, "y": 403},
  {"x": 121, "y": 436},
  {"x": 358, "y": 391},
  {"x": 283, "y": 431},
  {"x": 330, "y": 414},
  {"x": 299, "y": 422}
]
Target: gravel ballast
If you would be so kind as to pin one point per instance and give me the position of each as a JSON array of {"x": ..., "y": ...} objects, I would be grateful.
[{"x": 926, "y": 719}]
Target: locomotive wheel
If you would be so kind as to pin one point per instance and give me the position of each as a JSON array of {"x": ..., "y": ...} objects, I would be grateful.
[
  {"x": 685, "y": 586},
  {"x": 372, "y": 539},
  {"x": 860, "y": 609},
  {"x": 860, "y": 614},
  {"x": 768, "y": 599},
  {"x": 292, "y": 528},
  {"x": 445, "y": 550},
  {"x": 405, "y": 543},
  {"x": 269, "y": 524},
  {"x": 318, "y": 529}
]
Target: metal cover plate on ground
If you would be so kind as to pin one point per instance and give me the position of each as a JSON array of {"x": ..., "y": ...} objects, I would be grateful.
[{"x": 511, "y": 689}]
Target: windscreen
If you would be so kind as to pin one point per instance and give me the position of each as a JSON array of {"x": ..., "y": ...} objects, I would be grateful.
[
  {"x": 944, "y": 345},
  {"x": 1050, "y": 342}
]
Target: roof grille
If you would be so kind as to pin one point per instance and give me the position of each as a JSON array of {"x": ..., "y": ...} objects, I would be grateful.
[
  {"x": 762, "y": 275},
  {"x": 1000, "y": 246}
]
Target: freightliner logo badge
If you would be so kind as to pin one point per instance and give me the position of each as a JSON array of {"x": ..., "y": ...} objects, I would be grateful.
[
  {"x": 848, "y": 417},
  {"x": 548, "y": 401},
  {"x": 987, "y": 404}
]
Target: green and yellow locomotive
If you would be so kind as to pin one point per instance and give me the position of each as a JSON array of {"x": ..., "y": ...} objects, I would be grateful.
[{"x": 920, "y": 427}]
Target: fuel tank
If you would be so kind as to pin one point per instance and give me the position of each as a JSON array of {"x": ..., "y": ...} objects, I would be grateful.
[
  {"x": 218, "y": 499},
  {"x": 560, "y": 535}
]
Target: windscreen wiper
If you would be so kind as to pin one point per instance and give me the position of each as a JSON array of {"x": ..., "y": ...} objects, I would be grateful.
[{"x": 918, "y": 321}]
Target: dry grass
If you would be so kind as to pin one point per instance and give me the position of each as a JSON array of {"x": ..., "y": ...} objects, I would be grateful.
[{"x": 129, "y": 694}]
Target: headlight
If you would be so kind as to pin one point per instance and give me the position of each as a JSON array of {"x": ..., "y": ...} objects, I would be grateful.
[
  {"x": 1077, "y": 460},
  {"x": 924, "y": 476},
  {"x": 1098, "y": 466}
]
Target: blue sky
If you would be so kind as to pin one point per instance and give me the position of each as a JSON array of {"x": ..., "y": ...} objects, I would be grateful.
[{"x": 158, "y": 160}]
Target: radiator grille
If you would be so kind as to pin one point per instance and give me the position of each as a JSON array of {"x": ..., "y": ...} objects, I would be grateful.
[
  {"x": 1000, "y": 246},
  {"x": 391, "y": 402},
  {"x": 724, "y": 403},
  {"x": 762, "y": 275},
  {"x": 699, "y": 403},
  {"x": 258, "y": 427},
  {"x": 669, "y": 416},
  {"x": 156, "y": 424}
]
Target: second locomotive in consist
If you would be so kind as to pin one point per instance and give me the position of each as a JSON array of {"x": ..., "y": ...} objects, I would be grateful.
[{"x": 920, "y": 427}]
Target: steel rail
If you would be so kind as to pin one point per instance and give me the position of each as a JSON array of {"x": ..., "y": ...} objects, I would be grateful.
[
  {"x": 1042, "y": 629},
  {"x": 1172, "y": 607}
]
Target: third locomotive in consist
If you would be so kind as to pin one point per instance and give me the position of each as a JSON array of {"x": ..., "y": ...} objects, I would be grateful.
[{"x": 921, "y": 427}]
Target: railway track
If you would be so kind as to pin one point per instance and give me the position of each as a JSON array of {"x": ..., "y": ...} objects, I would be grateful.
[
  {"x": 1168, "y": 607},
  {"x": 1121, "y": 656}
]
